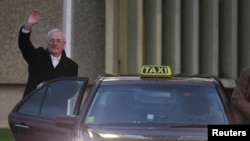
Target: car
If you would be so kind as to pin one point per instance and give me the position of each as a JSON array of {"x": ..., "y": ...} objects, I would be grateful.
[{"x": 151, "y": 105}]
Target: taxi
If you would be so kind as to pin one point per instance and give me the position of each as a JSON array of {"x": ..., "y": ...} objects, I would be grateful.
[{"x": 152, "y": 105}]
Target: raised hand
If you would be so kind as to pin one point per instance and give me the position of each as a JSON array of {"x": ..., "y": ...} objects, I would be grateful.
[{"x": 33, "y": 19}]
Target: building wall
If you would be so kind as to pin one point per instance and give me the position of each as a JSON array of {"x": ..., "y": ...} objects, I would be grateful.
[
  {"x": 9, "y": 96},
  {"x": 89, "y": 37},
  {"x": 191, "y": 36}
]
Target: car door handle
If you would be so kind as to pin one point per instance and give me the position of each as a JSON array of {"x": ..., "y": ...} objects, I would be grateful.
[{"x": 22, "y": 126}]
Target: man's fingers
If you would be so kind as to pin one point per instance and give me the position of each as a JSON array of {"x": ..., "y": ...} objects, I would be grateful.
[
  {"x": 34, "y": 18},
  {"x": 36, "y": 14},
  {"x": 37, "y": 11},
  {"x": 40, "y": 85}
]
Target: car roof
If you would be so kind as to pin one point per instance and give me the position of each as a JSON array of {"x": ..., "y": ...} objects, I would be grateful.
[
  {"x": 154, "y": 73},
  {"x": 112, "y": 77}
]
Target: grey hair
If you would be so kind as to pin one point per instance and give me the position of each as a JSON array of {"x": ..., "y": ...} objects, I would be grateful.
[{"x": 53, "y": 31}]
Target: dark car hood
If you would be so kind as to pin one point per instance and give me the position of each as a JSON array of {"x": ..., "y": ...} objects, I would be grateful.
[{"x": 153, "y": 134}]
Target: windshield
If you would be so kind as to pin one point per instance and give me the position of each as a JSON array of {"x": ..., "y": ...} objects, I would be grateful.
[{"x": 156, "y": 104}]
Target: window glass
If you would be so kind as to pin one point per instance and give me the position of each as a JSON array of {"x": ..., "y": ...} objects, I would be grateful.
[
  {"x": 32, "y": 105},
  {"x": 157, "y": 104},
  {"x": 61, "y": 98}
]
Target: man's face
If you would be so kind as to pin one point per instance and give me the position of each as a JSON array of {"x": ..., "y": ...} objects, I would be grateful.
[{"x": 56, "y": 43}]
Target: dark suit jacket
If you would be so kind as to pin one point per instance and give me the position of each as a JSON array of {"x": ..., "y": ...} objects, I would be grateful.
[
  {"x": 40, "y": 67},
  {"x": 241, "y": 97}
]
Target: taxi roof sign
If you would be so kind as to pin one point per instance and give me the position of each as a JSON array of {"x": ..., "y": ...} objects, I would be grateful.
[{"x": 155, "y": 71}]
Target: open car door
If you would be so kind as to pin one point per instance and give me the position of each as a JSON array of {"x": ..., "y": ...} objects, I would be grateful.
[{"x": 34, "y": 117}]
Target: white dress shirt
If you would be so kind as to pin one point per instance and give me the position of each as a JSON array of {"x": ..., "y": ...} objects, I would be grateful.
[
  {"x": 55, "y": 60},
  {"x": 25, "y": 31}
]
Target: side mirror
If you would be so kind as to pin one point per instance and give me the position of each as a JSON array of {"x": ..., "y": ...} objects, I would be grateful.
[{"x": 65, "y": 121}]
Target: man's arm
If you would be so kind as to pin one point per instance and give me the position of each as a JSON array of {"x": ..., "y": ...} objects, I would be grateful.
[
  {"x": 240, "y": 94},
  {"x": 24, "y": 43}
]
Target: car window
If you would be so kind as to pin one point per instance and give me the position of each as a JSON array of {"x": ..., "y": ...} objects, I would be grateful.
[
  {"x": 32, "y": 105},
  {"x": 58, "y": 98},
  {"x": 156, "y": 104}
]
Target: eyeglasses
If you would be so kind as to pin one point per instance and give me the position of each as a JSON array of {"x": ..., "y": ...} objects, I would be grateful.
[{"x": 56, "y": 41}]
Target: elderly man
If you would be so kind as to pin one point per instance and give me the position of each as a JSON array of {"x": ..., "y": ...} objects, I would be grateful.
[{"x": 44, "y": 63}]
